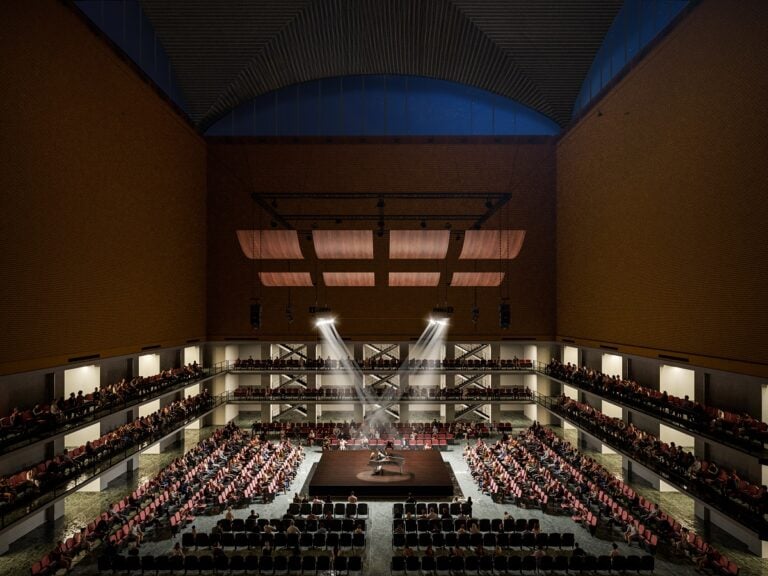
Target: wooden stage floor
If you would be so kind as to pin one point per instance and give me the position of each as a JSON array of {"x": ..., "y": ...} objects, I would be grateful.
[{"x": 425, "y": 475}]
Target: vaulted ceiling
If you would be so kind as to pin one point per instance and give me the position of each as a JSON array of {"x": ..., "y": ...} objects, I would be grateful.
[{"x": 227, "y": 52}]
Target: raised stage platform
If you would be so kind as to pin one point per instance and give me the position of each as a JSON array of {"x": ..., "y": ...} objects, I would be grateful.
[{"x": 425, "y": 475}]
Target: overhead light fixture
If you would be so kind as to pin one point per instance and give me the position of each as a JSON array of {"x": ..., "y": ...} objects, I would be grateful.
[
  {"x": 475, "y": 314},
  {"x": 440, "y": 315},
  {"x": 325, "y": 321},
  {"x": 423, "y": 224}
]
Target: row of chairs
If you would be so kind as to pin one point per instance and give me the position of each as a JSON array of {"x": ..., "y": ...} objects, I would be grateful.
[
  {"x": 454, "y": 524},
  {"x": 419, "y": 508},
  {"x": 303, "y": 524},
  {"x": 341, "y": 509},
  {"x": 505, "y": 540},
  {"x": 506, "y": 565},
  {"x": 278, "y": 540},
  {"x": 208, "y": 564}
]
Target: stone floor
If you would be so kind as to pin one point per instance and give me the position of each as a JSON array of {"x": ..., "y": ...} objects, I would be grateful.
[{"x": 82, "y": 507}]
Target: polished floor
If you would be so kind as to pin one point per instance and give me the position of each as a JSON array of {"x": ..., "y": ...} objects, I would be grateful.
[{"x": 83, "y": 507}]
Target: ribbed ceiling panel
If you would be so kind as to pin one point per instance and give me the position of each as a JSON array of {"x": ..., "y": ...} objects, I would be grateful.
[
  {"x": 225, "y": 53},
  {"x": 552, "y": 42}
]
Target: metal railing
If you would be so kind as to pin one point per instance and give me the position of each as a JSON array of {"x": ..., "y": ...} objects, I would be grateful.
[
  {"x": 25, "y": 505},
  {"x": 727, "y": 506}
]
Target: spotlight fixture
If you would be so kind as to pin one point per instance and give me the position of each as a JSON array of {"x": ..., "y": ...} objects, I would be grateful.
[
  {"x": 317, "y": 310},
  {"x": 505, "y": 315},
  {"x": 289, "y": 313},
  {"x": 324, "y": 321},
  {"x": 475, "y": 314},
  {"x": 423, "y": 224},
  {"x": 441, "y": 315},
  {"x": 488, "y": 204}
]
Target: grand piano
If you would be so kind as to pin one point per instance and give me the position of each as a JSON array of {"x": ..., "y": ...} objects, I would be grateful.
[{"x": 380, "y": 459}]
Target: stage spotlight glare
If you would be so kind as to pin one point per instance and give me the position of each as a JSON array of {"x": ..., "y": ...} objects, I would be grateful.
[
  {"x": 438, "y": 321},
  {"x": 324, "y": 321}
]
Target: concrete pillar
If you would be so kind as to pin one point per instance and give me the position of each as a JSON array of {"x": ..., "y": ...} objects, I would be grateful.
[
  {"x": 312, "y": 407},
  {"x": 495, "y": 406},
  {"x": 448, "y": 411},
  {"x": 167, "y": 442},
  {"x": 405, "y": 414},
  {"x": 358, "y": 416}
]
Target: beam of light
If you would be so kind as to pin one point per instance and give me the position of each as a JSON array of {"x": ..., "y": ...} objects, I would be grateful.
[{"x": 324, "y": 321}]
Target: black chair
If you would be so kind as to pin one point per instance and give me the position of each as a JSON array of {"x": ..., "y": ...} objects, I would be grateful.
[
  {"x": 294, "y": 564},
  {"x": 305, "y": 508},
  {"x": 428, "y": 565},
  {"x": 362, "y": 510},
  {"x": 567, "y": 540},
  {"x": 311, "y": 525},
  {"x": 339, "y": 509},
  {"x": 521, "y": 525},
  {"x": 327, "y": 508},
  {"x": 323, "y": 564},
  {"x": 529, "y": 564},
  {"x": 148, "y": 563},
  {"x": 555, "y": 540},
  {"x": 542, "y": 539},
  {"x": 191, "y": 564},
  {"x": 509, "y": 525},
  {"x": 413, "y": 565},
  {"x": 546, "y": 563},
  {"x": 502, "y": 540},
  {"x": 279, "y": 540},
  {"x": 647, "y": 564},
  {"x": 500, "y": 565},
  {"x": 397, "y": 565},
  {"x": 225, "y": 525},
  {"x": 294, "y": 508},
  {"x": 529, "y": 540},
  {"x": 484, "y": 524},
  {"x": 398, "y": 540},
  {"x": 410, "y": 507},
  {"x": 560, "y": 564},
  {"x": 421, "y": 508},
  {"x": 132, "y": 564},
  {"x": 455, "y": 508},
  {"x": 589, "y": 564},
  {"x": 237, "y": 563},
  {"x": 202, "y": 540},
  {"x": 489, "y": 540},
  {"x": 206, "y": 563},
  {"x": 163, "y": 564},
  {"x": 443, "y": 565},
  {"x": 358, "y": 541},
  {"x": 514, "y": 563},
  {"x": 345, "y": 541},
  {"x": 241, "y": 540},
  {"x": 411, "y": 526},
  {"x": 422, "y": 525},
  {"x": 575, "y": 563},
  {"x": 486, "y": 565},
  {"x": 340, "y": 565},
  {"x": 471, "y": 564},
  {"x": 446, "y": 524},
  {"x": 438, "y": 540},
  {"x": 332, "y": 540},
  {"x": 305, "y": 541},
  {"x": 280, "y": 565},
  {"x": 317, "y": 508},
  {"x": 457, "y": 564},
  {"x": 618, "y": 563},
  {"x": 187, "y": 539},
  {"x": 451, "y": 539},
  {"x": 266, "y": 565},
  {"x": 252, "y": 564},
  {"x": 425, "y": 539},
  {"x": 176, "y": 564},
  {"x": 238, "y": 525},
  {"x": 228, "y": 540},
  {"x": 355, "y": 565},
  {"x": 308, "y": 565},
  {"x": 336, "y": 525},
  {"x": 351, "y": 510},
  {"x": 347, "y": 525},
  {"x": 104, "y": 563},
  {"x": 220, "y": 563},
  {"x": 604, "y": 563}
]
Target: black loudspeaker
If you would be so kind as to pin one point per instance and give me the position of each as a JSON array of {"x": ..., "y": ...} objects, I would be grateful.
[
  {"x": 505, "y": 316},
  {"x": 255, "y": 316}
]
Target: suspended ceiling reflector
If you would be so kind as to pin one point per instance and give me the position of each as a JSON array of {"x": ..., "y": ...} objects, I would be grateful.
[
  {"x": 343, "y": 244},
  {"x": 492, "y": 244},
  {"x": 418, "y": 244},
  {"x": 417, "y": 279},
  {"x": 356, "y": 279},
  {"x": 270, "y": 244},
  {"x": 477, "y": 278},
  {"x": 275, "y": 279}
]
